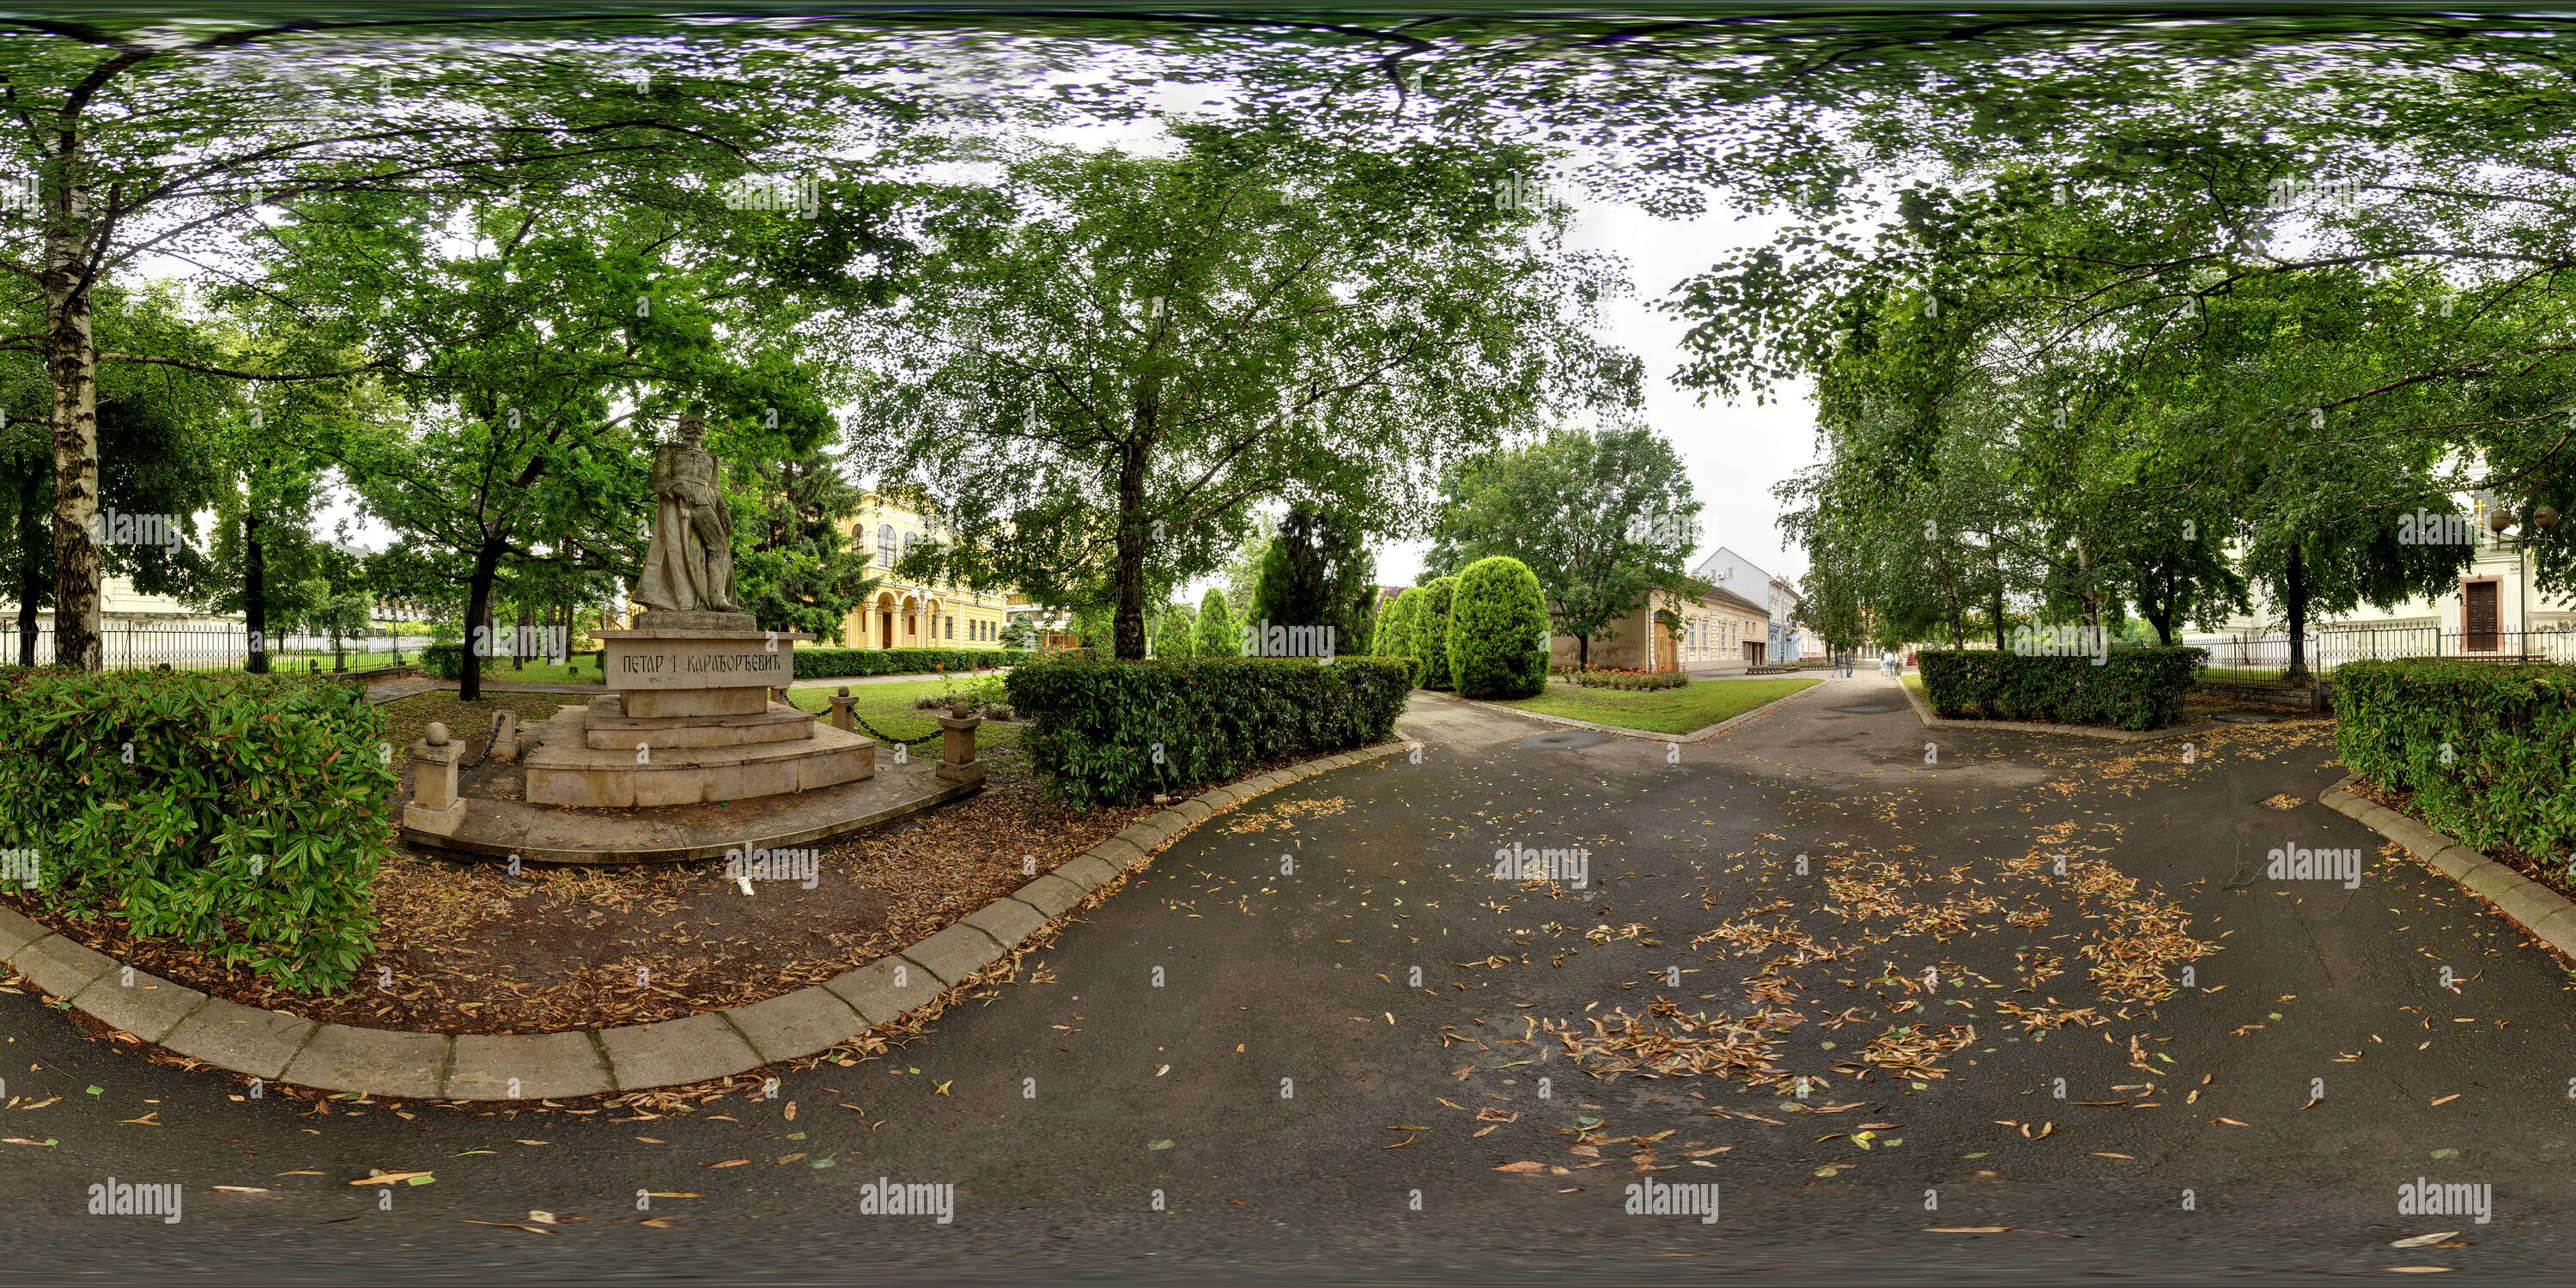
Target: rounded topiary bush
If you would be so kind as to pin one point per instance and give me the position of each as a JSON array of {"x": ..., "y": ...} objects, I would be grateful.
[
  {"x": 1431, "y": 633},
  {"x": 1497, "y": 622}
]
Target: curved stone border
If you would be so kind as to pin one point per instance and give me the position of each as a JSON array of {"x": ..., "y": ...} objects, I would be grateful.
[
  {"x": 2545, "y": 914},
  {"x": 1649, "y": 735},
  {"x": 282, "y": 1048},
  {"x": 1923, "y": 713}
]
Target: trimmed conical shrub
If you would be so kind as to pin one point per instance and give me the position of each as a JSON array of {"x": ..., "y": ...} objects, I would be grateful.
[
  {"x": 1172, "y": 636},
  {"x": 1217, "y": 633},
  {"x": 1431, "y": 633},
  {"x": 1395, "y": 629},
  {"x": 1498, "y": 631}
]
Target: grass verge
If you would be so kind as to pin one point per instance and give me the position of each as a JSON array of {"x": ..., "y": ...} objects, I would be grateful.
[{"x": 1681, "y": 710}]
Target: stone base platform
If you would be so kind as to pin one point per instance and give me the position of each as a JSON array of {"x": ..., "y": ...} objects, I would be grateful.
[
  {"x": 607, "y": 727},
  {"x": 542, "y": 834},
  {"x": 571, "y": 769}
]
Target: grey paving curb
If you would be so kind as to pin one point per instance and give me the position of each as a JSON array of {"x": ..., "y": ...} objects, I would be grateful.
[
  {"x": 278, "y": 1047},
  {"x": 1923, "y": 713},
  {"x": 2543, "y": 913},
  {"x": 1649, "y": 735}
]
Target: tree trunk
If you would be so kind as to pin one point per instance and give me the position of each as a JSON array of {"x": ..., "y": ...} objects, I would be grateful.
[
  {"x": 2295, "y": 598},
  {"x": 1583, "y": 652},
  {"x": 1950, "y": 596},
  {"x": 1129, "y": 630},
  {"x": 33, "y": 558},
  {"x": 2084, "y": 586},
  {"x": 1998, "y": 602},
  {"x": 71, "y": 368},
  {"x": 254, "y": 594},
  {"x": 478, "y": 618},
  {"x": 2163, "y": 621}
]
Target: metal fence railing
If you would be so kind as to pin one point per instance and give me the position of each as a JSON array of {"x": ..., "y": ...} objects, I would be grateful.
[
  {"x": 2267, "y": 655},
  {"x": 216, "y": 648},
  {"x": 2325, "y": 649}
]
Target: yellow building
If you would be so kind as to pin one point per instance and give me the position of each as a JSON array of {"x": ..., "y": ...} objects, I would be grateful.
[
  {"x": 1716, "y": 632},
  {"x": 906, "y": 615}
]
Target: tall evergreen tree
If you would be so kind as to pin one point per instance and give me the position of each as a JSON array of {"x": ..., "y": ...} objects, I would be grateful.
[
  {"x": 1317, "y": 572},
  {"x": 1217, "y": 633}
]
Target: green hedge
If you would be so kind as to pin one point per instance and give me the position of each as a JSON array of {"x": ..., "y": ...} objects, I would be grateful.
[
  {"x": 1094, "y": 726},
  {"x": 1498, "y": 631},
  {"x": 446, "y": 661},
  {"x": 2509, "y": 733},
  {"x": 1605, "y": 677},
  {"x": 2136, "y": 688},
  {"x": 248, "y": 822},
  {"x": 831, "y": 663}
]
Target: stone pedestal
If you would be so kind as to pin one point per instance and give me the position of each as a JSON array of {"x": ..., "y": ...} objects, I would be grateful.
[
  {"x": 843, "y": 718},
  {"x": 691, "y": 721},
  {"x": 505, "y": 736},
  {"x": 957, "y": 761},
  {"x": 434, "y": 806}
]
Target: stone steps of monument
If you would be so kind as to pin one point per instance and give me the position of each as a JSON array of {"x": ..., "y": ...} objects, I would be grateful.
[
  {"x": 607, "y": 728},
  {"x": 567, "y": 771}
]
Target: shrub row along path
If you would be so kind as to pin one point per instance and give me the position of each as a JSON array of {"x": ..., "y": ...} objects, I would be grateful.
[{"x": 1272, "y": 984}]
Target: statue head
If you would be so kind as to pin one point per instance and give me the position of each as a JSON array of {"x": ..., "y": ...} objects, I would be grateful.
[{"x": 693, "y": 429}]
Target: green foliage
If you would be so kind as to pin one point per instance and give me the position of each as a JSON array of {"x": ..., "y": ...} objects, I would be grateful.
[
  {"x": 2487, "y": 752},
  {"x": 1172, "y": 633},
  {"x": 1431, "y": 633},
  {"x": 1317, "y": 572},
  {"x": 446, "y": 659},
  {"x": 1396, "y": 635},
  {"x": 1611, "y": 677},
  {"x": 249, "y": 823},
  {"x": 2136, "y": 688},
  {"x": 1092, "y": 626},
  {"x": 1019, "y": 633},
  {"x": 1245, "y": 316},
  {"x": 831, "y": 663},
  {"x": 1216, "y": 633},
  {"x": 1603, "y": 519},
  {"x": 1497, "y": 631},
  {"x": 536, "y": 366},
  {"x": 1096, "y": 725},
  {"x": 799, "y": 569}
]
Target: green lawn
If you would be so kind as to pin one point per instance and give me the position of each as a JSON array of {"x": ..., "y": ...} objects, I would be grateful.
[
  {"x": 1682, "y": 710},
  {"x": 889, "y": 707},
  {"x": 2244, "y": 675},
  {"x": 584, "y": 669}
]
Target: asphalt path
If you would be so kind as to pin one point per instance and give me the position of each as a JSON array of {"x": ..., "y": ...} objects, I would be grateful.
[{"x": 1229, "y": 1071}]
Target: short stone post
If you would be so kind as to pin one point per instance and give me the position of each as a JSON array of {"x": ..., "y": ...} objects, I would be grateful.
[
  {"x": 505, "y": 736},
  {"x": 957, "y": 762},
  {"x": 435, "y": 807},
  {"x": 843, "y": 718}
]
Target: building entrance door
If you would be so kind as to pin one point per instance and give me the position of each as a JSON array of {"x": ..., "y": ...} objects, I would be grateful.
[{"x": 2478, "y": 616}]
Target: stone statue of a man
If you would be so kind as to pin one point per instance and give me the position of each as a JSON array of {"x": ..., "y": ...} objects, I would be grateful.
[{"x": 689, "y": 567}]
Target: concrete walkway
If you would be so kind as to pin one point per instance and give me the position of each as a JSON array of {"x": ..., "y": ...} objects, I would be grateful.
[{"x": 1228, "y": 1069}]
